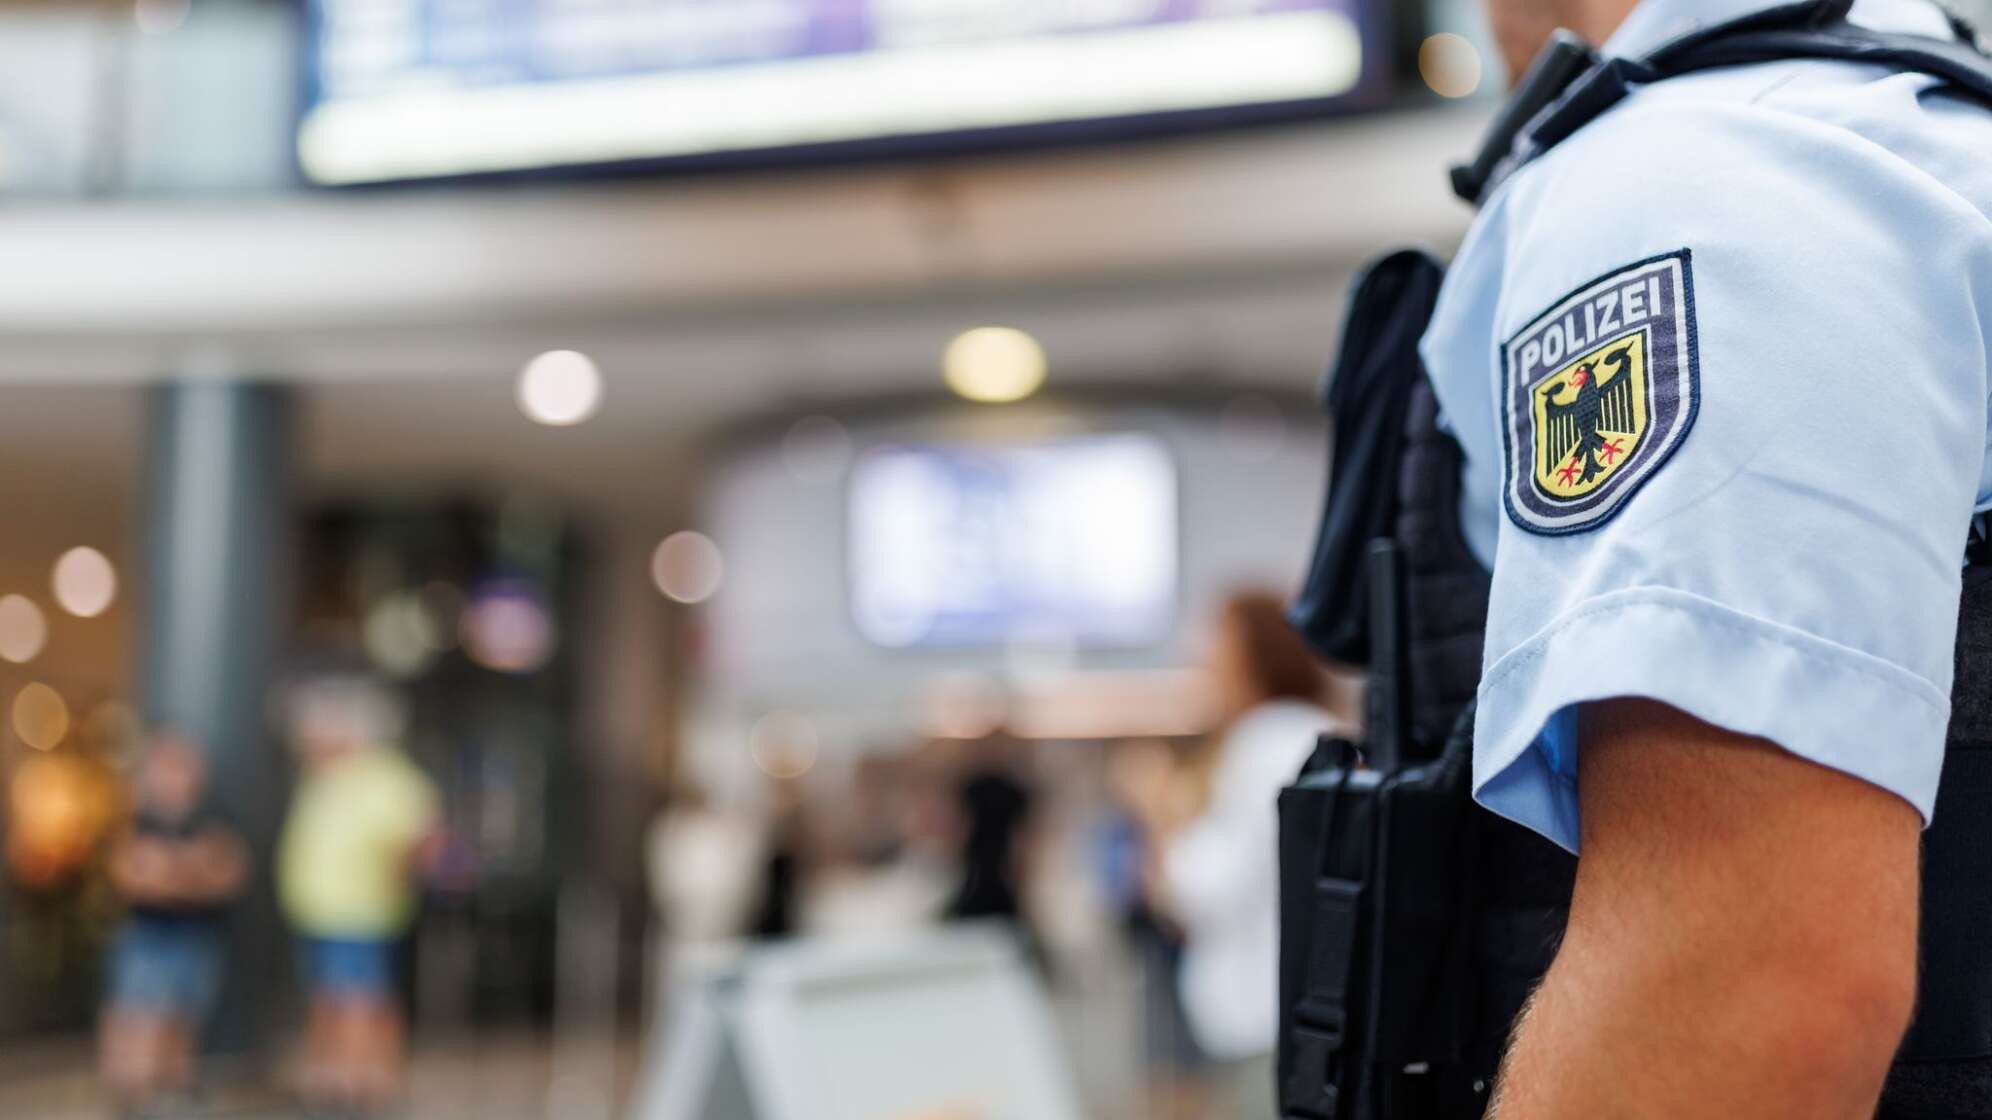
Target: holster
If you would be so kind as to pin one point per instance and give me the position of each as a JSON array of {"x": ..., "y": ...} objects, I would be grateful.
[{"x": 1376, "y": 978}]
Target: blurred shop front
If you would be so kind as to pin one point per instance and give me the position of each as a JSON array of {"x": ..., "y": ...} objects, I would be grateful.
[{"x": 766, "y": 446}]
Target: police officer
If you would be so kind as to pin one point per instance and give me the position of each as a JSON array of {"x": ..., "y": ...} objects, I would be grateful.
[{"x": 1718, "y": 366}]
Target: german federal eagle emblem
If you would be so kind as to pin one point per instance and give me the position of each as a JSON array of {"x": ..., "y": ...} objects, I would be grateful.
[
  {"x": 1589, "y": 416},
  {"x": 1600, "y": 390}
]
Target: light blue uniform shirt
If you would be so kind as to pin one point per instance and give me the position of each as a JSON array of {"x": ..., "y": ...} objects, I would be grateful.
[{"x": 1799, "y": 435}]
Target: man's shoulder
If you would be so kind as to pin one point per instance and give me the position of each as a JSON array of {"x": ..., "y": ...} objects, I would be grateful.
[
  {"x": 1810, "y": 170},
  {"x": 1746, "y": 130}
]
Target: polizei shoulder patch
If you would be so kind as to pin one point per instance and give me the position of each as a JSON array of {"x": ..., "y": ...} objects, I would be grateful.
[{"x": 1597, "y": 392}]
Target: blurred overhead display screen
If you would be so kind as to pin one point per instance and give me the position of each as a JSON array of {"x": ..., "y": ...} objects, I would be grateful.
[
  {"x": 412, "y": 89},
  {"x": 1073, "y": 541}
]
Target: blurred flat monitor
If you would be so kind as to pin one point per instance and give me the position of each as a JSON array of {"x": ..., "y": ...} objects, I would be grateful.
[
  {"x": 1072, "y": 541},
  {"x": 416, "y": 89}
]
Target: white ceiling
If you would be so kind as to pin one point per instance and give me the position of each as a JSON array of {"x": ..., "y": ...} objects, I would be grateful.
[
  {"x": 404, "y": 315},
  {"x": 263, "y": 268}
]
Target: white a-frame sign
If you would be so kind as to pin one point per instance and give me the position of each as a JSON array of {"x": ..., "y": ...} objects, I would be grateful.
[{"x": 947, "y": 1025}]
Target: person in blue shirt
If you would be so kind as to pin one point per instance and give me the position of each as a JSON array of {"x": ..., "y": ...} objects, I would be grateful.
[
  {"x": 178, "y": 866},
  {"x": 1718, "y": 366}
]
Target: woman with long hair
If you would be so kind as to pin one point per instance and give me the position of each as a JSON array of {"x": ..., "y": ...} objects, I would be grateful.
[{"x": 1213, "y": 838}]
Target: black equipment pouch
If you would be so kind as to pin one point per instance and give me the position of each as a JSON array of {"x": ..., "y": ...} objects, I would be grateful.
[
  {"x": 1382, "y": 953},
  {"x": 1374, "y": 378},
  {"x": 1944, "y": 1069}
]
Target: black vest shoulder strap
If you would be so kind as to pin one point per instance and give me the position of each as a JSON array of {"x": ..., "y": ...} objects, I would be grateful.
[{"x": 1570, "y": 85}]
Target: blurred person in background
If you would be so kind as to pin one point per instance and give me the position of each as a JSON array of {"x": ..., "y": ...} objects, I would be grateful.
[
  {"x": 784, "y": 862},
  {"x": 890, "y": 869},
  {"x": 177, "y": 866},
  {"x": 995, "y": 809},
  {"x": 360, "y": 823},
  {"x": 704, "y": 860},
  {"x": 1175, "y": 1069},
  {"x": 1212, "y": 837},
  {"x": 875, "y": 830}
]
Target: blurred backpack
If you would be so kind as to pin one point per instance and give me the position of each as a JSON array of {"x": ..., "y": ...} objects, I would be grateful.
[{"x": 1414, "y": 924}]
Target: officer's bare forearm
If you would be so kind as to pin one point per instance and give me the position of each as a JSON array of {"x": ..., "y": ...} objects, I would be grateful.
[{"x": 1742, "y": 939}]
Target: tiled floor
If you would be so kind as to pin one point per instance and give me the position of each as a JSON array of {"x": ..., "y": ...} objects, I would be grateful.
[{"x": 510, "y": 1077}]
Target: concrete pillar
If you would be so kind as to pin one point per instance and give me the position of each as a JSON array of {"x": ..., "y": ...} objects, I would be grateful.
[{"x": 215, "y": 582}]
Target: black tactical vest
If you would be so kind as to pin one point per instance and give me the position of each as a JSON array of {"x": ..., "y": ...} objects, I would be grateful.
[{"x": 1414, "y": 924}]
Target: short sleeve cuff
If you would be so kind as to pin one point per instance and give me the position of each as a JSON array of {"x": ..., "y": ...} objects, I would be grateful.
[{"x": 1822, "y": 701}]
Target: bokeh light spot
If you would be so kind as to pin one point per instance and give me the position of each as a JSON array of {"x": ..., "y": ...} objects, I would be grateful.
[
  {"x": 784, "y": 744},
  {"x": 400, "y": 634},
  {"x": 1449, "y": 64},
  {"x": 23, "y": 629},
  {"x": 994, "y": 365},
  {"x": 688, "y": 567},
  {"x": 560, "y": 387},
  {"x": 506, "y": 626},
  {"x": 41, "y": 718},
  {"x": 85, "y": 582}
]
